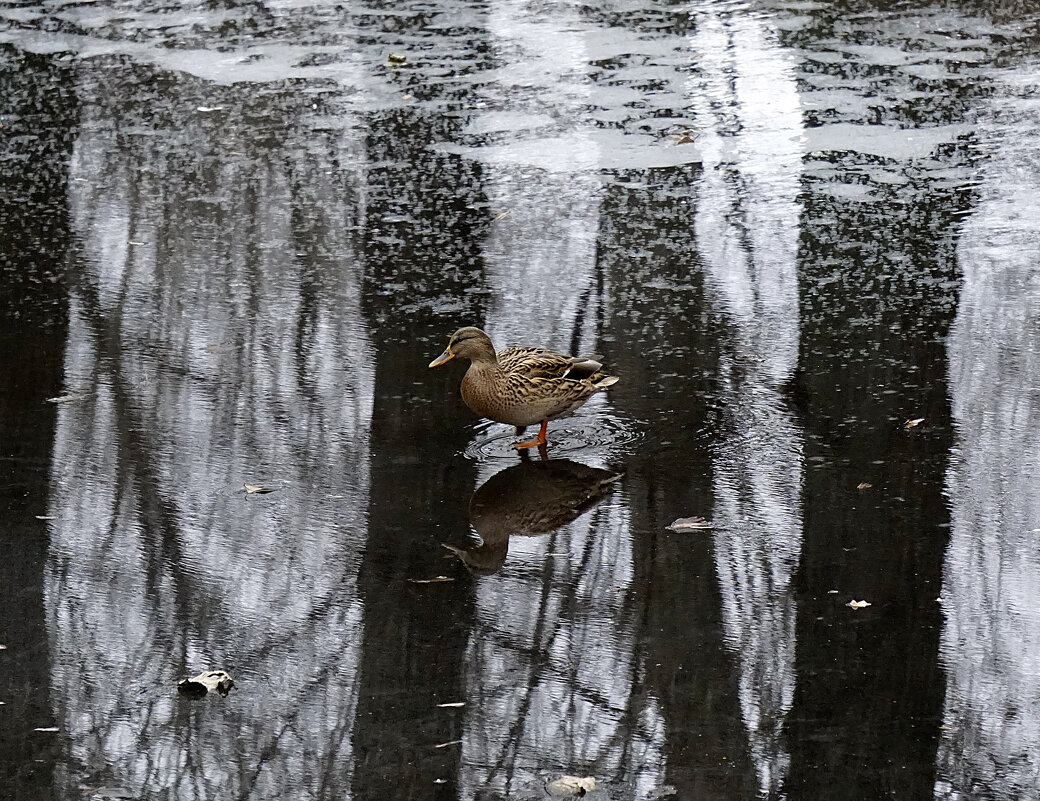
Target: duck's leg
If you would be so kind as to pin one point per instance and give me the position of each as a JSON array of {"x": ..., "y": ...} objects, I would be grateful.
[{"x": 537, "y": 442}]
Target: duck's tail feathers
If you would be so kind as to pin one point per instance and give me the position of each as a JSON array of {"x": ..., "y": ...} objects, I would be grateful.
[{"x": 583, "y": 367}]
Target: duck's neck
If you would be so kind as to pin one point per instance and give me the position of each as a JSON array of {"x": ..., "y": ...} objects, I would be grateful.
[{"x": 485, "y": 363}]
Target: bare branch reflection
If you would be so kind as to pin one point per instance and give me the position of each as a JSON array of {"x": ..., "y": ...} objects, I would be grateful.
[
  {"x": 747, "y": 223},
  {"x": 197, "y": 379},
  {"x": 991, "y": 636}
]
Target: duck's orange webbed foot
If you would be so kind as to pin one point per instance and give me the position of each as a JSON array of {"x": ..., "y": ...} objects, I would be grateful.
[{"x": 537, "y": 442}]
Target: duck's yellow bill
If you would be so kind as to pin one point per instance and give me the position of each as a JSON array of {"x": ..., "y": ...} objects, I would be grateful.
[{"x": 447, "y": 356}]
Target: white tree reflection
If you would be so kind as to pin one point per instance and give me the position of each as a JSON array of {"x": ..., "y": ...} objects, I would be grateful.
[
  {"x": 208, "y": 356},
  {"x": 553, "y": 668},
  {"x": 747, "y": 221},
  {"x": 991, "y": 582}
]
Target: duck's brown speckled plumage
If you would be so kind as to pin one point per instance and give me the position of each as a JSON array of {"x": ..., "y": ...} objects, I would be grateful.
[{"x": 521, "y": 385}]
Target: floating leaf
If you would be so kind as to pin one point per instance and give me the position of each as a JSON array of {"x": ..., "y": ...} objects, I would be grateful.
[
  {"x": 691, "y": 524},
  {"x": 256, "y": 489},
  {"x": 450, "y": 742},
  {"x": 571, "y": 785},
  {"x": 76, "y": 396},
  {"x": 396, "y": 60},
  {"x": 206, "y": 682},
  {"x": 109, "y": 792},
  {"x": 864, "y": 485},
  {"x": 857, "y": 604},
  {"x": 46, "y": 517},
  {"x": 47, "y": 729},
  {"x": 453, "y": 704},
  {"x": 501, "y": 216},
  {"x": 914, "y": 423},
  {"x": 434, "y": 580}
]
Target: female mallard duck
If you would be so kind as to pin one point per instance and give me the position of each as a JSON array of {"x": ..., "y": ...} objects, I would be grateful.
[{"x": 522, "y": 386}]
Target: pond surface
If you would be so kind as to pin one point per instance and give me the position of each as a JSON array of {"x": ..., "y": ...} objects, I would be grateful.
[{"x": 806, "y": 235}]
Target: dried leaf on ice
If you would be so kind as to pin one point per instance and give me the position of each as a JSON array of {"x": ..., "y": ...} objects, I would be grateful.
[
  {"x": 207, "y": 682},
  {"x": 691, "y": 524},
  {"x": 857, "y": 604},
  {"x": 571, "y": 785}
]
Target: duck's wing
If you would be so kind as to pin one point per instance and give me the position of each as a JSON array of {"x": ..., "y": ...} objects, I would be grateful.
[
  {"x": 546, "y": 398},
  {"x": 544, "y": 363}
]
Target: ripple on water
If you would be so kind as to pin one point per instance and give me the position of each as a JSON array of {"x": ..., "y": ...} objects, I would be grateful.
[{"x": 603, "y": 434}]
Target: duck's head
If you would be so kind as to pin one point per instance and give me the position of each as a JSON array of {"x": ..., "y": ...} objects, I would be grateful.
[{"x": 467, "y": 343}]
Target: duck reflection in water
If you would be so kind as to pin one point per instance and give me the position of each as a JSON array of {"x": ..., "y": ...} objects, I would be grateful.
[{"x": 533, "y": 497}]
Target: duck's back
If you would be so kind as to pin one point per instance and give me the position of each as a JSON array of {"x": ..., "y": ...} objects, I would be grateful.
[{"x": 545, "y": 363}]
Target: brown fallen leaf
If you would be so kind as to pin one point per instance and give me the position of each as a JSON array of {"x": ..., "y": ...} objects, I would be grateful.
[
  {"x": 914, "y": 423},
  {"x": 691, "y": 524},
  {"x": 685, "y": 139},
  {"x": 571, "y": 785},
  {"x": 864, "y": 485},
  {"x": 857, "y": 604}
]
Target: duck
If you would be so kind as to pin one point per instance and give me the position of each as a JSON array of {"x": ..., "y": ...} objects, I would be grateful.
[{"x": 521, "y": 386}]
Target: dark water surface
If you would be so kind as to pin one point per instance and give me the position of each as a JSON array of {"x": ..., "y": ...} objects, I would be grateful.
[{"x": 805, "y": 234}]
